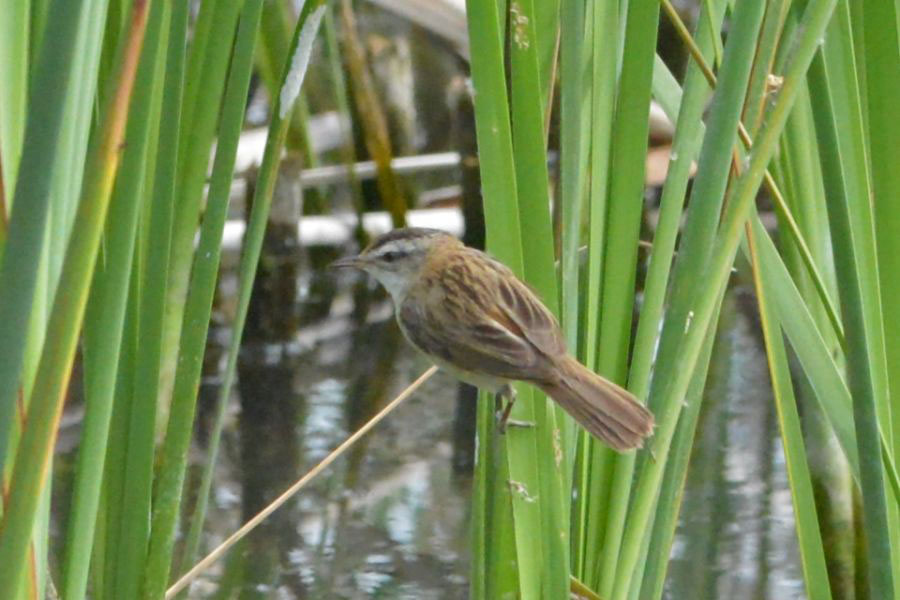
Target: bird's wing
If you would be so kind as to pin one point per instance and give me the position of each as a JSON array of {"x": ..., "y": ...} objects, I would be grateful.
[
  {"x": 491, "y": 324},
  {"x": 522, "y": 306}
]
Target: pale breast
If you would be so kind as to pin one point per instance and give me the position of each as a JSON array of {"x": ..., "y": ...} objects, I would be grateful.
[{"x": 480, "y": 380}]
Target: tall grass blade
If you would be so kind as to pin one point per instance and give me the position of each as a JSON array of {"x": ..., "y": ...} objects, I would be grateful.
[
  {"x": 595, "y": 461},
  {"x": 107, "y": 535},
  {"x": 815, "y": 572},
  {"x": 625, "y": 206},
  {"x": 706, "y": 199},
  {"x": 137, "y": 470},
  {"x": 782, "y": 210},
  {"x": 882, "y": 64},
  {"x": 603, "y": 105},
  {"x": 208, "y": 63},
  {"x": 881, "y": 23},
  {"x": 758, "y": 88},
  {"x": 206, "y": 261},
  {"x": 77, "y": 118},
  {"x": 626, "y": 184},
  {"x": 66, "y": 318},
  {"x": 24, "y": 242},
  {"x": 547, "y": 38},
  {"x": 175, "y": 447},
  {"x": 105, "y": 312},
  {"x": 685, "y": 148},
  {"x": 811, "y": 350},
  {"x": 503, "y": 228},
  {"x": 657, "y": 543},
  {"x": 14, "y": 69},
  {"x": 848, "y": 249},
  {"x": 575, "y": 98},
  {"x": 532, "y": 182},
  {"x": 673, "y": 383}
]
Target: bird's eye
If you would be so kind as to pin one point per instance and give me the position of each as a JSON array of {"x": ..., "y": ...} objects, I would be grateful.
[{"x": 390, "y": 256}]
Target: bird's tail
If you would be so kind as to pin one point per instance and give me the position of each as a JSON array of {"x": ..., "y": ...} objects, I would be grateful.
[{"x": 604, "y": 409}]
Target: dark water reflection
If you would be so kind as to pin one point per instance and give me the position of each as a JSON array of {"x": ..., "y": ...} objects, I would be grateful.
[
  {"x": 390, "y": 519},
  {"x": 736, "y": 536}
]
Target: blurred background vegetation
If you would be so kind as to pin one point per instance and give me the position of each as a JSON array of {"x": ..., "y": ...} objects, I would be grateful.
[{"x": 706, "y": 192}]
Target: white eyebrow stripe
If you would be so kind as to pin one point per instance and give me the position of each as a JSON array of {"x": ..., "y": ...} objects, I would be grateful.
[{"x": 402, "y": 246}]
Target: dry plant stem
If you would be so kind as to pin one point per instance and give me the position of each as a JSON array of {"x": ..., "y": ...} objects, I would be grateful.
[
  {"x": 780, "y": 204},
  {"x": 250, "y": 525},
  {"x": 688, "y": 40},
  {"x": 372, "y": 118}
]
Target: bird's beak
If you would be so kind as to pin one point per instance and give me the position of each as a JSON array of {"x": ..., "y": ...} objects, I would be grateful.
[{"x": 349, "y": 261}]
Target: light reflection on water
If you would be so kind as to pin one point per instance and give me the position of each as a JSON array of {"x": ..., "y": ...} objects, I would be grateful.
[
  {"x": 736, "y": 536},
  {"x": 388, "y": 520}
]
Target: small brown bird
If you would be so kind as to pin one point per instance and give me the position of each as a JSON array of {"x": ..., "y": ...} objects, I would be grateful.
[{"x": 471, "y": 316}]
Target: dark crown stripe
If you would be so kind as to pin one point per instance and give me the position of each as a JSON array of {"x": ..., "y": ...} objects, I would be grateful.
[{"x": 407, "y": 233}]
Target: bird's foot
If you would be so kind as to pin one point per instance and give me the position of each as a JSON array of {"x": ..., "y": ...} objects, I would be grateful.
[
  {"x": 503, "y": 420},
  {"x": 502, "y": 413}
]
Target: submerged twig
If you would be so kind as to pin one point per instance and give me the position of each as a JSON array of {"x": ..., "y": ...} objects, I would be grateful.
[{"x": 250, "y": 525}]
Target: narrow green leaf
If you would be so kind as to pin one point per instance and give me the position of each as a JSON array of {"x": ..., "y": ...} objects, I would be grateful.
[
  {"x": 620, "y": 243},
  {"x": 815, "y": 572},
  {"x": 532, "y": 181},
  {"x": 673, "y": 383},
  {"x": 597, "y": 461},
  {"x": 882, "y": 64},
  {"x": 758, "y": 89},
  {"x": 812, "y": 351},
  {"x": 503, "y": 229},
  {"x": 685, "y": 148},
  {"x": 22, "y": 251},
  {"x": 134, "y": 530},
  {"x": 206, "y": 261},
  {"x": 657, "y": 542},
  {"x": 105, "y": 314},
  {"x": 14, "y": 63},
  {"x": 66, "y": 317},
  {"x": 848, "y": 243},
  {"x": 208, "y": 62},
  {"x": 707, "y": 195},
  {"x": 626, "y": 187},
  {"x": 77, "y": 119},
  {"x": 174, "y": 453},
  {"x": 575, "y": 98}
]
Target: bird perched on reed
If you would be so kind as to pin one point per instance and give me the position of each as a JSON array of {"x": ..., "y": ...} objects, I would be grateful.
[{"x": 474, "y": 318}]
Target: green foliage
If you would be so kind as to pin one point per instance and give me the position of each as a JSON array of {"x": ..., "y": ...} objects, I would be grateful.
[
  {"x": 108, "y": 114},
  {"x": 626, "y": 506},
  {"x": 147, "y": 268}
]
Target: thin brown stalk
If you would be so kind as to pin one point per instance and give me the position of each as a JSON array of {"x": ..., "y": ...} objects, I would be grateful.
[
  {"x": 688, "y": 40},
  {"x": 372, "y": 118},
  {"x": 250, "y": 525}
]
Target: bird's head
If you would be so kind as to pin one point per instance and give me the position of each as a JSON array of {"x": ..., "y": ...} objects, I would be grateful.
[{"x": 397, "y": 257}]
